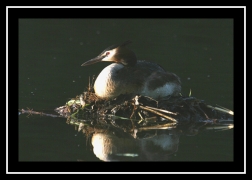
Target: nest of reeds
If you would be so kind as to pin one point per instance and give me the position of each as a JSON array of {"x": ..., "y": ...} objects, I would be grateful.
[{"x": 129, "y": 112}]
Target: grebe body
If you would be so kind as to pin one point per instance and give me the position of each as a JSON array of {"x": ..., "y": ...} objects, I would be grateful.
[{"x": 129, "y": 75}]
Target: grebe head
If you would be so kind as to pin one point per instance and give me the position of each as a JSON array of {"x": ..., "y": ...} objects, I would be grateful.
[{"x": 116, "y": 53}]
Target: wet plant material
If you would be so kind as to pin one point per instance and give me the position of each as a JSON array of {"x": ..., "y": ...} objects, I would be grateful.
[{"x": 130, "y": 112}]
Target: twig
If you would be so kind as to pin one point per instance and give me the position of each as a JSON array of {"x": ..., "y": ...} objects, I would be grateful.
[
  {"x": 158, "y": 113},
  {"x": 164, "y": 126},
  {"x": 30, "y": 111},
  {"x": 162, "y": 110},
  {"x": 222, "y": 110}
]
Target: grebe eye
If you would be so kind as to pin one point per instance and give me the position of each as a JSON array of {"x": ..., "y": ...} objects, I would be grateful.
[{"x": 107, "y": 53}]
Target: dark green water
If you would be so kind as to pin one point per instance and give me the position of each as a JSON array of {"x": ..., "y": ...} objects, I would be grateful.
[{"x": 51, "y": 52}]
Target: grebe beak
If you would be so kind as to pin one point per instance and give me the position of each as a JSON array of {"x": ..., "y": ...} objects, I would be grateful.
[{"x": 93, "y": 61}]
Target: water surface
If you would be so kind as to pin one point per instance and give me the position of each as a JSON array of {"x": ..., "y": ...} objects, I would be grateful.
[{"x": 51, "y": 52}]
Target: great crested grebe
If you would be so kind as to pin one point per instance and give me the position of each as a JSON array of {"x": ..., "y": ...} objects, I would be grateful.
[{"x": 129, "y": 75}]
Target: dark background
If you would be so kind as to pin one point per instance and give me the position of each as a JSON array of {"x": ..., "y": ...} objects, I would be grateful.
[{"x": 50, "y": 52}]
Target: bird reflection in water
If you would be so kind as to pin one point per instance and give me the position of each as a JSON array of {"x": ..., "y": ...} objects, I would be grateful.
[{"x": 157, "y": 145}]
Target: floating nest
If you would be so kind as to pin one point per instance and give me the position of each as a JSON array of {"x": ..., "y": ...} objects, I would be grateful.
[{"x": 129, "y": 112}]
